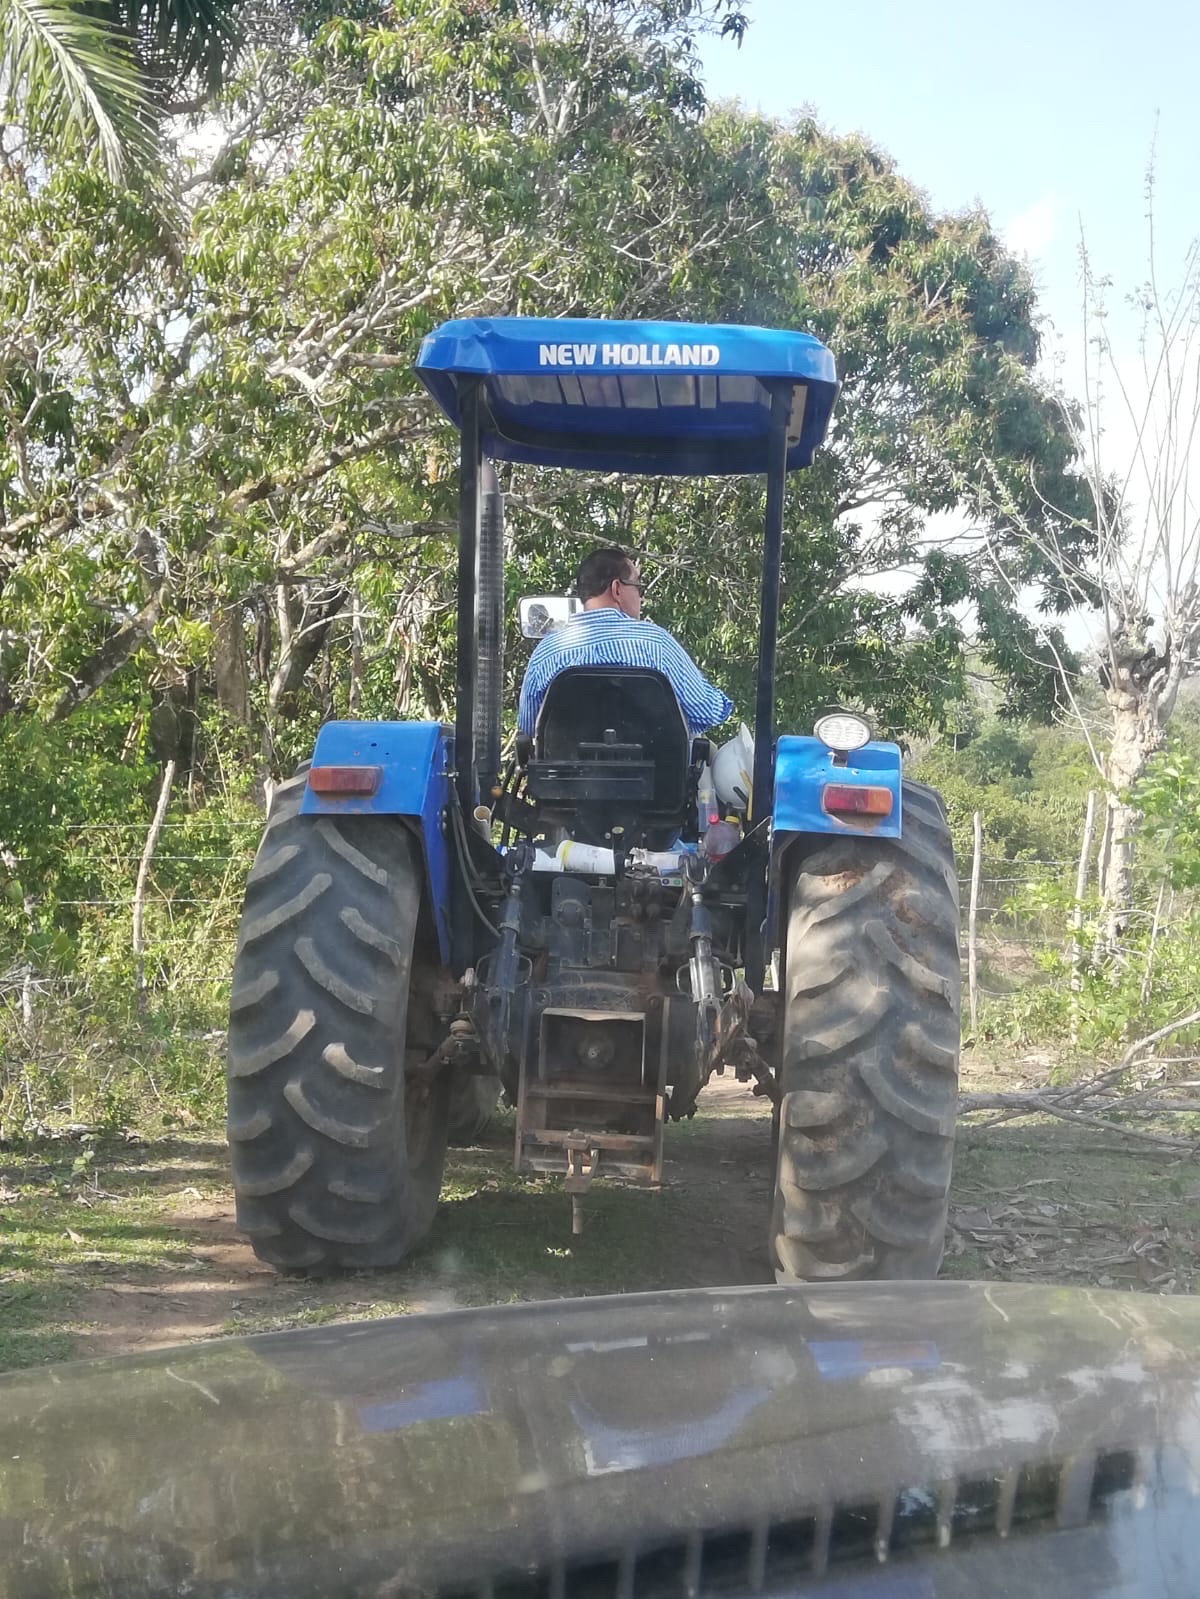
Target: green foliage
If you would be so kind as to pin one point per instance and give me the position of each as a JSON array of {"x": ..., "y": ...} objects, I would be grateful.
[
  {"x": 235, "y": 433},
  {"x": 76, "y": 1042},
  {"x": 227, "y": 510},
  {"x": 1169, "y": 798},
  {"x": 69, "y": 77},
  {"x": 79, "y": 76},
  {"x": 1115, "y": 1002},
  {"x": 1029, "y": 784}
]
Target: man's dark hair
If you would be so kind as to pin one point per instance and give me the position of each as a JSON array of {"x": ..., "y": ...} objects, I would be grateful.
[{"x": 600, "y": 570}]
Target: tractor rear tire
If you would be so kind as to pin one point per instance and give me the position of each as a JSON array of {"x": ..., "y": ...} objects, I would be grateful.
[
  {"x": 337, "y": 1155},
  {"x": 473, "y": 1101},
  {"x": 869, "y": 1064}
]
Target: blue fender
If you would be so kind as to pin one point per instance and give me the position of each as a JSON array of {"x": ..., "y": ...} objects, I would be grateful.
[
  {"x": 803, "y": 766},
  {"x": 415, "y": 761}
]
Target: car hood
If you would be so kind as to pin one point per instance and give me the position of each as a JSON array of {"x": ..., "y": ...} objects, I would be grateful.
[{"x": 907, "y": 1439}]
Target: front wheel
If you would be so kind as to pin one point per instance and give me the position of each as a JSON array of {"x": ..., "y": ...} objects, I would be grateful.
[
  {"x": 869, "y": 1067},
  {"x": 337, "y": 1152}
]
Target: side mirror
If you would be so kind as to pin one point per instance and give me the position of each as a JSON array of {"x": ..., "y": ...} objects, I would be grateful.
[{"x": 540, "y": 614}]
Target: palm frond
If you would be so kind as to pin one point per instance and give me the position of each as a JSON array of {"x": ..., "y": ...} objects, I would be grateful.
[
  {"x": 187, "y": 39},
  {"x": 69, "y": 78}
]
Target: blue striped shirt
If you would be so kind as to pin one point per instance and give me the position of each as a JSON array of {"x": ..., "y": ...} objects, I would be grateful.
[{"x": 607, "y": 637}]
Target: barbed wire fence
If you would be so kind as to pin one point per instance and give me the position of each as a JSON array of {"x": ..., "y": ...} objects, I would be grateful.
[
  {"x": 191, "y": 896},
  {"x": 189, "y": 901}
]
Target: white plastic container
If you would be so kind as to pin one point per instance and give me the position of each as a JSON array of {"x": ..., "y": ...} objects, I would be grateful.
[
  {"x": 666, "y": 862},
  {"x": 733, "y": 771},
  {"x": 574, "y": 857}
]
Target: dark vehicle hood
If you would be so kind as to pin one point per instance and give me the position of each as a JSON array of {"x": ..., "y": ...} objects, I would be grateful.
[{"x": 906, "y": 1440}]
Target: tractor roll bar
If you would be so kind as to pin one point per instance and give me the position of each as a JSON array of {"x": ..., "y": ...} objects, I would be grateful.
[
  {"x": 489, "y": 602},
  {"x": 768, "y": 608},
  {"x": 470, "y": 467},
  {"x": 764, "y": 701}
]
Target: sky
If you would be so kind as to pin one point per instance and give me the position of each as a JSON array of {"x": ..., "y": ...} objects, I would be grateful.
[{"x": 1045, "y": 113}]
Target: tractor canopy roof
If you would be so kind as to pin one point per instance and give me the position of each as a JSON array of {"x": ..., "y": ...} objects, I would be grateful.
[{"x": 647, "y": 397}]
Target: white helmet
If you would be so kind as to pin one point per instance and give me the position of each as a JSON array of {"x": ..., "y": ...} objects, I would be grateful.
[{"x": 733, "y": 771}]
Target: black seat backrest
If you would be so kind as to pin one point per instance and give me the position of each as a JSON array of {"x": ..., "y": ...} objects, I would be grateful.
[{"x": 583, "y": 704}]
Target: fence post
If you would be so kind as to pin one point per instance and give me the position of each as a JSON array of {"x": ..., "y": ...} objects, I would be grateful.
[
  {"x": 143, "y": 876},
  {"x": 976, "y": 871},
  {"x": 1081, "y": 877}
]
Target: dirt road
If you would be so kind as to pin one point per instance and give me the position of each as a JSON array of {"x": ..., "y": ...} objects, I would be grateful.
[
  {"x": 145, "y": 1251},
  {"x": 135, "y": 1245}
]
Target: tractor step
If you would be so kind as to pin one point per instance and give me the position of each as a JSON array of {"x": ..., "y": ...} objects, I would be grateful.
[
  {"x": 628, "y": 1096},
  {"x": 560, "y": 1138}
]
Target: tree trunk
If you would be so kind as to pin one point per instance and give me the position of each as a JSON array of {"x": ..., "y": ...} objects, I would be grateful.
[
  {"x": 230, "y": 666},
  {"x": 1137, "y": 732},
  {"x": 1154, "y": 927},
  {"x": 1081, "y": 877},
  {"x": 354, "y": 705},
  {"x": 109, "y": 657},
  {"x": 301, "y": 647},
  {"x": 143, "y": 877},
  {"x": 972, "y": 918}
]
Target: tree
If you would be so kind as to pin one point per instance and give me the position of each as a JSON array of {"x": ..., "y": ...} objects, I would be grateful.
[
  {"x": 221, "y": 479},
  {"x": 1141, "y": 421},
  {"x": 932, "y": 323},
  {"x": 78, "y": 75}
]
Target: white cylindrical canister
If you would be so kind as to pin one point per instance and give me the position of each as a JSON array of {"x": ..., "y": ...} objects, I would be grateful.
[{"x": 573, "y": 857}]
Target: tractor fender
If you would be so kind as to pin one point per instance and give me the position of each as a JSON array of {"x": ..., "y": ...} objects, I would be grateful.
[
  {"x": 804, "y": 766},
  {"x": 799, "y": 820},
  {"x": 414, "y": 762}
]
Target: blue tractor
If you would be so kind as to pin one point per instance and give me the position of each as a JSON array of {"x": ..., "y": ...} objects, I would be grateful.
[{"x": 424, "y": 923}]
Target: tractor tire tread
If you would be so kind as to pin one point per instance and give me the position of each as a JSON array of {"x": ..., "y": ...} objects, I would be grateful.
[
  {"x": 337, "y": 1157},
  {"x": 869, "y": 1061}
]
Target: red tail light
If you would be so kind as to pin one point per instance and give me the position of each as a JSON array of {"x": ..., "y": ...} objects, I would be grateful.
[
  {"x": 344, "y": 780},
  {"x": 845, "y": 799}
]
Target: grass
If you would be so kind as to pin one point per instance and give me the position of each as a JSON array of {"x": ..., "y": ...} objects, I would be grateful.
[
  {"x": 96, "y": 1237},
  {"x": 75, "y": 1214},
  {"x": 32, "y": 1332},
  {"x": 312, "y": 1313},
  {"x": 499, "y": 1236},
  {"x": 115, "y": 1243}
]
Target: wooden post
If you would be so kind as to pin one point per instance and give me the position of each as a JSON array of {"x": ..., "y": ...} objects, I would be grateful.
[
  {"x": 1081, "y": 879},
  {"x": 972, "y": 916},
  {"x": 143, "y": 876}
]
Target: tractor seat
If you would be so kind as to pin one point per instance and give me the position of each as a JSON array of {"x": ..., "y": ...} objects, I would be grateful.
[{"x": 611, "y": 748}]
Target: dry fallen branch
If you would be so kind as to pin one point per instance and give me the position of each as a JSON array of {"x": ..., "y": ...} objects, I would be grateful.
[
  {"x": 1015, "y": 1106},
  {"x": 1098, "y": 1100}
]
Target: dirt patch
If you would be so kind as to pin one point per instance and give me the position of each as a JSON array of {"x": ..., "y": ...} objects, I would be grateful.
[
  {"x": 145, "y": 1251},
  {"x": 497, "y": 1237}
]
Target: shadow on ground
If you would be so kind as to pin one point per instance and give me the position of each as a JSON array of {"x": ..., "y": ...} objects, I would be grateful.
[
  {"x": 145, "y": 1252},
  {"x": 142, "y": 1250}
]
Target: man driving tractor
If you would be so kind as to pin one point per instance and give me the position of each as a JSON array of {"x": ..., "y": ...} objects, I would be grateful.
[{"x": 610, "y": 631}]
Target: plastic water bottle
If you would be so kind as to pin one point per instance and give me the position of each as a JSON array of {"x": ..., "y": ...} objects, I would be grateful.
[
  {"x": 706, "y": 800},
  {"x": 720, "y": 838}
]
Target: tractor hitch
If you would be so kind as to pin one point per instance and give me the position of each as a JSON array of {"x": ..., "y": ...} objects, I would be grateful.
[{"x": 583, "y": 1161}]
